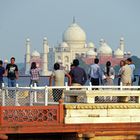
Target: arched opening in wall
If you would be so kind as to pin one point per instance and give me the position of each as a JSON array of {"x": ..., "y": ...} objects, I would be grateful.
[
  {"x": 66, "y": 59},
  {"x": 66, "y": 67}
]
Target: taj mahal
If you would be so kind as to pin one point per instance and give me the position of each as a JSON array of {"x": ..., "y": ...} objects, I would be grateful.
[{"x": 74, "y": 44}]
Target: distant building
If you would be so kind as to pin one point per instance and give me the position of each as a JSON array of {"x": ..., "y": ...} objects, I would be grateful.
[{"x": 74, "y": 45}]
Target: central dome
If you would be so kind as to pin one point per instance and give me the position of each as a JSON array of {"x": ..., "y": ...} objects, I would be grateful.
[{"x": 74, "y": 35}]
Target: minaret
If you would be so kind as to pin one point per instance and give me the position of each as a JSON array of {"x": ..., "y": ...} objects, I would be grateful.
[
  {"x": 122, "y": 44},
  {"x": 45, "y": 57},
  {"x": 27, "y": 56}
]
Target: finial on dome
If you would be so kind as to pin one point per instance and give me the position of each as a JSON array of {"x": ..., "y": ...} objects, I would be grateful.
[{"x": 74, "y": 19}]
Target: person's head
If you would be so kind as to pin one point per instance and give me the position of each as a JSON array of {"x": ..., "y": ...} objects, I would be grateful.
[
  {"x": 75, "y": 62},
  {"x": 33, "y": 65},
  {"x": 126, "y": 62},
  {"x": 71, "y": 66},
  {"x": 96, "y": 60},
  {"x": 122, "y": 63},
  {"x": 1, "y": 62},
  {"x": 108, "y": 63},
  {"x": 56, "y": 66},
  {"x": 129, "y": 60},
  {"x": 12, "y": 60}
]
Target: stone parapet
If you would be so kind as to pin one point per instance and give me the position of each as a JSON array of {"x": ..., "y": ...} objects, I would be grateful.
[{"x": 102, "y": 113}]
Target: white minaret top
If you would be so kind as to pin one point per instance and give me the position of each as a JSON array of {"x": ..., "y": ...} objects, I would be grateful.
[
  {"x": 28, "y": 46},
  {"x": 45, "y": 45},
  {"x": 45, "y": 57},
  {"x": 27, "y": 56},
  {"x": 122, "y": 44}
]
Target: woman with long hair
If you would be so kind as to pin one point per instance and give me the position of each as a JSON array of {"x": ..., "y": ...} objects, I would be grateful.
[
  {"x": 109, "y": 73},
  {"x": 34, "y": 71}
]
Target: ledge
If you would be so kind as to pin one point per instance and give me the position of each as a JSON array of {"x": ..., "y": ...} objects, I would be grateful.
[{"x": 103, "y": 106}]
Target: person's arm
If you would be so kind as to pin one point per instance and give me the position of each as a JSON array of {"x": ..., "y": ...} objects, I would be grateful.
[
  {"x": 69, "y": 79},
  {"x": 89, "y": 72},
  {"x": 50, "y": 80},
  {"x": 85, "y": 77},
  {"x": 16, "y": 72}
]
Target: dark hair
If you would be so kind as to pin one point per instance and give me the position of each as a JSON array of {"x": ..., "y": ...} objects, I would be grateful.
[
  {"x": 129, "y": 59},
  {"x": 75, "y": 62},
  {"x": 108, "y": 64},
  {"x": 1, "y": 62},
  {"x": 96, "y": 60},
  {"x": 71, "y": 65},
  {"x": 33, "y": 65},
  {"x": 56, "y": 66},
  {"x": 12, "y": 58}
]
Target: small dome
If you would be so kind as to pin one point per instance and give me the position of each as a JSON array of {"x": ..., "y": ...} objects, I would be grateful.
[
  {"x": 105, "y": 49},
  {"x": 91, "y": 53},
  {"x": 118, "y": 52},
  {"x": 45, "y": 38},
  {"x": 125, "y": 53},
  {"x": 28, "y": 39},
  {"x": 121, "y": 39},
  {"x": 35, "y": 53},
  {"x": 74, "y": 33},
  {"x": 129, "y": 53},
  {"x": 91, "y": 45},
  {"x": 64, "y": 45}
]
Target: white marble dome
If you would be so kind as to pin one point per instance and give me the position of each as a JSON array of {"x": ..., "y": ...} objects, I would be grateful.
[
  {"x": 91, "y": 52},
  {"x": 74, "y": 33},
  {"x": 105, "y": 49},
  {"x": 91, "y": 45},
  {"x": 64, "y": 45},
  {"x": 35, "y": 54},
  {"x": 118, "y": 53}
]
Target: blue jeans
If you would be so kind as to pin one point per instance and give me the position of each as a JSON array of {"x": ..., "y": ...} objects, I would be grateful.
[{"x": 11, "y": 83}]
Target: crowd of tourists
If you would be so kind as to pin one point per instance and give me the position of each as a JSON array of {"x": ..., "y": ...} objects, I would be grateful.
[{"x": 76, "y": 76}]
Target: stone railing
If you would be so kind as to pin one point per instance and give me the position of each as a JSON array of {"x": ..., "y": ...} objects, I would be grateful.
[{"x": 30, "y": 96}]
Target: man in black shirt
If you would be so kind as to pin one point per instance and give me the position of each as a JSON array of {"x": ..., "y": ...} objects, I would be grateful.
[{"x": 12, "y": 73}]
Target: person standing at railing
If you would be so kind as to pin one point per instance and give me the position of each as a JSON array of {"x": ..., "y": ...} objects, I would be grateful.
[
  {"x": 132, "y": 66},
  {"x": 59, "y": 80},
  {"x": 2, "y": 71},
  {"x": 95, "y": 73},
  {"x": 34, "y": 72},
  {"x": 126, "y": 74},
  {"x": 12, "y": 74},
  {"x": 125, "y": 79},
  {"x": 122, "y": 63},
  {"x": 78, "y": 74},
  {"x": 109, "y": 74}
]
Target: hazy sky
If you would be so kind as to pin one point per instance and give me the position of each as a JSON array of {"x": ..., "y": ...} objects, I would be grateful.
[{"x": 108, "y": 19}]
